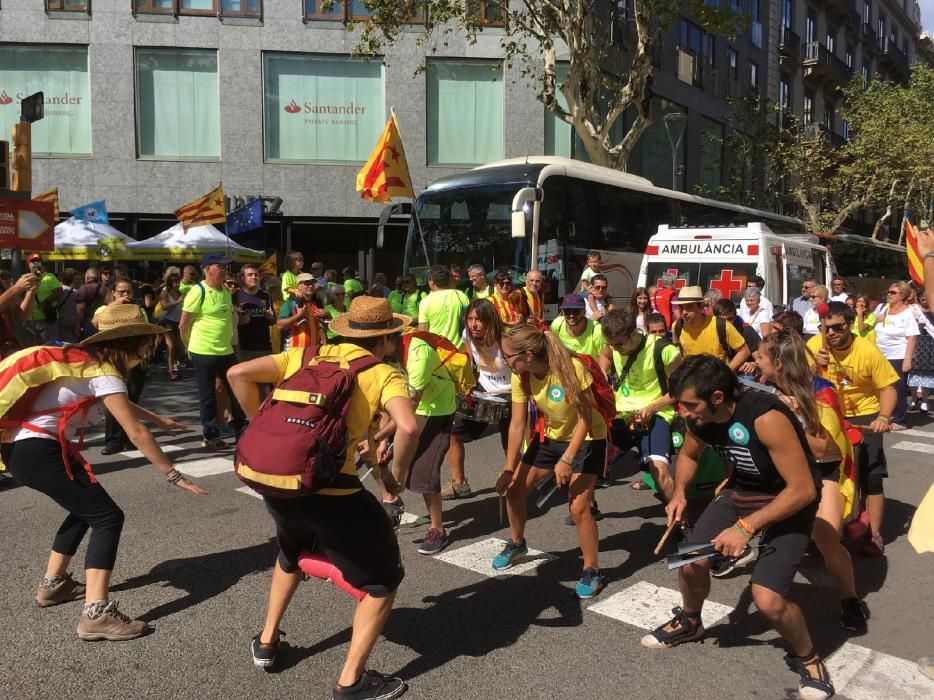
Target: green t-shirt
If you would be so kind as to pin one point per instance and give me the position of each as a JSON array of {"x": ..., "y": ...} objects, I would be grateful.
[
  {"x": 212, "y": 320},
  {"x": 443, "y": 312},
  {"x": 333, "y": 313},
  {"x": 288, "y": 281},
  {"x": 396, "y": 301},
  {"x": 410, "y": 303},
  {"x": 428, "y": 375},
  {"x": 353, "y": 286},
  {"x": 47, "y": 284},
  {"x": 184, "y": 287},
  {"x": 590, "y": 342},
  {"x": 870, "y": 321},
  {"x": 641, "y": 386}
]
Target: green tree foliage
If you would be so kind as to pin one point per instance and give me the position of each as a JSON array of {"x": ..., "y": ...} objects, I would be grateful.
[{"x": 608, "y": 47}]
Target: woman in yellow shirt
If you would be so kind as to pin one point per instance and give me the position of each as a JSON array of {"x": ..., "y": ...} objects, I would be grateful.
[{"x": 570, "y": 447}]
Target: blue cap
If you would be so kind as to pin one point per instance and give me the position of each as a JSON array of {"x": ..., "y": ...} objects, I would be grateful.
[
  {"x": 573, "y": 301},
  {"x": 215, "y": 259}
]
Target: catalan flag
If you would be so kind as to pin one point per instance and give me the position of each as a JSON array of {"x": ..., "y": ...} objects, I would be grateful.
[
  {"x": 832, "y": 420},
  {"x": 386, "y": 173},
  {"x": 51, "y": 196},
  {"x": 915, "y": 266},
  {"x": 268, "y": 268},
  {"x": 208, "y": 209}
]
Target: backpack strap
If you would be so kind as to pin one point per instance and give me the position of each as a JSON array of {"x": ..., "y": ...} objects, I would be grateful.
[
  {"x": 721, "y": 336},
  {"x": 676, "y": 334},
  {"x": 631, "y": 360},
  {"x": 660, "y": 369}
]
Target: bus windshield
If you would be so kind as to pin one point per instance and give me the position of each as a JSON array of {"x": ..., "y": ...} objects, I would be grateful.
[{"x": 466, "y": 226}]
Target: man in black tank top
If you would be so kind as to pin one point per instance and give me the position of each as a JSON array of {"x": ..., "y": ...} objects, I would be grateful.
[{"x": 773, "y": 488}]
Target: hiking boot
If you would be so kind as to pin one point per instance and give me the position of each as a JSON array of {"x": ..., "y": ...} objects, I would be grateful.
[
  {"x": 508, "y": 556},
  {"x": 590, "y": 584},
  {"x": 811, "y": 687},
  {"x": 111, "y": 625},
  {"x": 64, "y": 591},
  {"x": 371, "y": 686},
  {"x": 452, "y": 490},
  {"x": 680, "y": 629},
  {"x": 874, "y": 546},
  {"x": 264, "y": 655},
  {"x": 435, "y": 540},
  {"x": 723, "y": 566},
  {"x": 213, "y": 444},
  {"x": 854, "y": 615}
]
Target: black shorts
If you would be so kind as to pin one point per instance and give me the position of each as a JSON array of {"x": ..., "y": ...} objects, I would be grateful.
[
  {"x": 469, "y": 430},
  {"x": 545, "y": 455},
  {"x": 783, "y": 544},
  {"x": 352, "y": 531},
  {"x": 870, "y": 457},
  {"x": 433, "y": 443},
  {"x": 829, "y": 471}
]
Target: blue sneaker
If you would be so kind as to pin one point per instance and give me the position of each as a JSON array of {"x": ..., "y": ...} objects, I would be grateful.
[
  {"x": 508, "y": 556},
  {"x": 591, "y": 584}
]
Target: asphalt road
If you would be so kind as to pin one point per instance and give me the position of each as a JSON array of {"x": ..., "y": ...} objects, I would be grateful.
[{"x": 198, "y": 569}]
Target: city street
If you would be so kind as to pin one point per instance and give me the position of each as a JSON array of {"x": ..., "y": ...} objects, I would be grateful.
[{"x": 198, "y": 570}]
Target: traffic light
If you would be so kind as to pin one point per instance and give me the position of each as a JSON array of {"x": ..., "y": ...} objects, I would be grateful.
[
  {"x": 22, "y": 157},
  {"x": 4, "y": 165}
]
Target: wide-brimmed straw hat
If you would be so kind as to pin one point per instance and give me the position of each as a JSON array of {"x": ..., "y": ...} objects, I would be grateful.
[
  {"x": 122, "y": 321},
  {"x": 689, "y": 295},
  {"x": 369, "y": 317}
]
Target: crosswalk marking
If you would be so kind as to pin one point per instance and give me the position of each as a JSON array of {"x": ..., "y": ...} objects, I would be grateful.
[
  {"x": 248, "y": 491},
  {"x": 206, "y": 467},
  {"x": 925, "y": 447},
  {"x": 646, "y": 606},
  {"x": 478, "y": 557},
  {"x": 136, "y": 454},
  {"x": 913, "y": 432}
]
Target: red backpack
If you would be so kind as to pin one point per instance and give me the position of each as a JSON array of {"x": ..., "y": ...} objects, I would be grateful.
[
  {"x": 297, "y": 443},
  {"x": 602, "y": 393}
]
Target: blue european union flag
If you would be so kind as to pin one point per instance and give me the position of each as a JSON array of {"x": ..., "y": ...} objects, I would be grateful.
[
  {"x": 246, "y": 218},
  {"x": 95, "y": 212}
]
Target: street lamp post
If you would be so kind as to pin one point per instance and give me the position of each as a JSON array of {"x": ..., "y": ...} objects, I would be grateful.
[{"x": 675, "y": 121}]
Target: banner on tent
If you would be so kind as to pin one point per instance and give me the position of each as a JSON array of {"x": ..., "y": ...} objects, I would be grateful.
[{"x": 241, "y": 255}]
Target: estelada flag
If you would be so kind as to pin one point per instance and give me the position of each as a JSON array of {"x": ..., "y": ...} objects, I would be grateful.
[
  {"x": 386, "y": 174},
  {"x": 208, "y": 209},
  {"x": 268, "y": 268},
  {"x": 50, "y": 196},
  {"x": 915, "y": 268},
  {"x": 832, "y": 420}
]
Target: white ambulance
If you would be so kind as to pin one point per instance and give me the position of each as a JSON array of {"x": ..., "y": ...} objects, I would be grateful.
[{"x": 723, "y": 258}]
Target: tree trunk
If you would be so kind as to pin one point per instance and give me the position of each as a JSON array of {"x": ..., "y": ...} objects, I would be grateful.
[{"x": 888, "y": 213}]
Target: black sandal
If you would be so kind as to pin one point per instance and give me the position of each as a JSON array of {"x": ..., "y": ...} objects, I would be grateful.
[
  {"x": 811, "y": 687},
  {"x": 680, "y": 629}
]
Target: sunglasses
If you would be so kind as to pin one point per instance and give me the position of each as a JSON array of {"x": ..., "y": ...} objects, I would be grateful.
[
  {"x": 837, "y": 327},
  {"x": 892, "y": 292},
  {"x": 512, "y": 355},
  {"x": 572, "y": 312},
  {"x": 230, "y": 283},
  {"x": 504, "y": 283}
]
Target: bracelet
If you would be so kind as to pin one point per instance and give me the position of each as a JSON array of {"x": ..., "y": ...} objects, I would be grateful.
[
  {"x": 744, "y": 526},
  {"x": 563, "y": 459},
  {"x": 885, "y": 418},
  {"x": 742, "y": 532},
  {"x": 174, "y": 476}
]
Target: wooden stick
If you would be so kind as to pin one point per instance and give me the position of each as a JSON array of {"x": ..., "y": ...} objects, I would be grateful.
[{"x": 663, "y": 540}]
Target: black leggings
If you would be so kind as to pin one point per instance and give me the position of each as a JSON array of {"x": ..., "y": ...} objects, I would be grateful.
[{"x": 37, "y": 464}]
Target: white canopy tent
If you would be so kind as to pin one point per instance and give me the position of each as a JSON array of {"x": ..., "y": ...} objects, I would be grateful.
[
  {"x": 176, "y": 244},
  {"x": 77, "y": 239}
]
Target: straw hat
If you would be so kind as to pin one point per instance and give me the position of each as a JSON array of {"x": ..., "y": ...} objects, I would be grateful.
[
  {"x": 689, "y": 295},
  {"x": 122, "y": 321},
  {"x": 369, "y": 317}
]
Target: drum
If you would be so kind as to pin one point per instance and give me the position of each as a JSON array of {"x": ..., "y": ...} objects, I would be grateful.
[{"x": 484, "y": 407}]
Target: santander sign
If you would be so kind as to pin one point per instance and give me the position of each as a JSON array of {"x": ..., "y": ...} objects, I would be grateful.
[
  {"x": 63, "y": 99},
  {"x": 351, "y": 108}
]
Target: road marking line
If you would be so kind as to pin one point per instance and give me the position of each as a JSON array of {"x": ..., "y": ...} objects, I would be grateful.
[
  {"x": 248, "y": 491},
  {"x": 646, "y": 606},
  {"x": 912, "y": 446},
  {"x": 408, "y": 519},
  {"x": 136, "y": 454},
  {"x": 206, "y": 467},
  {"x": 912, "y": 432},
  {"x": 863, "y": 674},
  {"x": 478, "y": 557}
]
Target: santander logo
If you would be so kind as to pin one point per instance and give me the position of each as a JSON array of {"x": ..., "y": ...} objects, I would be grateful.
[
  {"x": 292, "y": 107},
  {"x": 4, "y": 98}
]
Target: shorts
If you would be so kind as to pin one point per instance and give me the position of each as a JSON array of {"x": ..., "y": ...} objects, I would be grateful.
[
  {"x": 546, "y": 454},
  {"x": 783, "y": 544},
  {"x": 352, "y": 531},
  {"x": 654, "y": 444},
  {"x": 829, "y": 471},
  {"x": 870, "y": 457},
  {"x": 433, "y": 443},
  {"x": 468, "y": 429},
  {"x": 171, "y": 325}
]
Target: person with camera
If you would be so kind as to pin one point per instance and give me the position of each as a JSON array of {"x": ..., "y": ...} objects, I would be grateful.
[
  {"x": 41, "y": 328},
  {"x": 301, "y": 315}
]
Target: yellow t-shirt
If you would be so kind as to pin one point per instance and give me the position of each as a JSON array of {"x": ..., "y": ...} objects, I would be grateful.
[
  {"x": 374, "y": 387},
  {"x": 560, "y": 416},
  {"x": 706, "y": 341},
  {"x": 860, "y": 372}
]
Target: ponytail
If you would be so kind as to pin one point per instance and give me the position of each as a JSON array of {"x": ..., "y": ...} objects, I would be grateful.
[{"x": 546, "y": 346}]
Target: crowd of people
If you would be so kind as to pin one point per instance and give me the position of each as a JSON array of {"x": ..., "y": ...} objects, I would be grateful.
[{"x": 665, "y": 375}]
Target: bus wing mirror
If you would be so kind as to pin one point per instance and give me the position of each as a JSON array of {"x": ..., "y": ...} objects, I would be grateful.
[
  {"x": 520, "y": 202},
  {"x": 389, "y": 211}
]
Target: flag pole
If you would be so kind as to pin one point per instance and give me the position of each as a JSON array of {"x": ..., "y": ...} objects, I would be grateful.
[{"x": 418, "y": 222}]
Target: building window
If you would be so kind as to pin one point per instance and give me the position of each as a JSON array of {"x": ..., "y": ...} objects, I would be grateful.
[
  {"x": 655, "y": 147},
  {"x": 831, "y": 38},
  {"x": 867, "y": 13},
  {"x": 61, "y": 72},
  {"x": 561, "y": 138},
  {"x": 830, "y": 114},
  {"x": 346, "y": 11},
  {"x": 486, "y": 12},
  {"x": 465, "y": 112},
  {"x": 711, "y": 154},
  {"x": 753, "y": 75},
  {"x": 867, "y": 74},
  {"x": 67, "y": 5},
  {"x": 177, "y": 104},
  {"x": 695, "y": 40},
  {"x": 329, "y": 108},
  {"x": 881, "y": 34},
  {"x": 784, "y": 92},
  {"x": 810, "y": 26},
  {"x": 223, "y": 8},
  {"x": 808, "y": 112},
  {"x": 849, "y": 56},
  {"x": 732, "y": 61},
  {"x": 788, "y": 13}
]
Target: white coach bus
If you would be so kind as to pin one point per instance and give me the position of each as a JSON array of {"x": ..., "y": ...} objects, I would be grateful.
[{"x": 546, "y": 212}]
